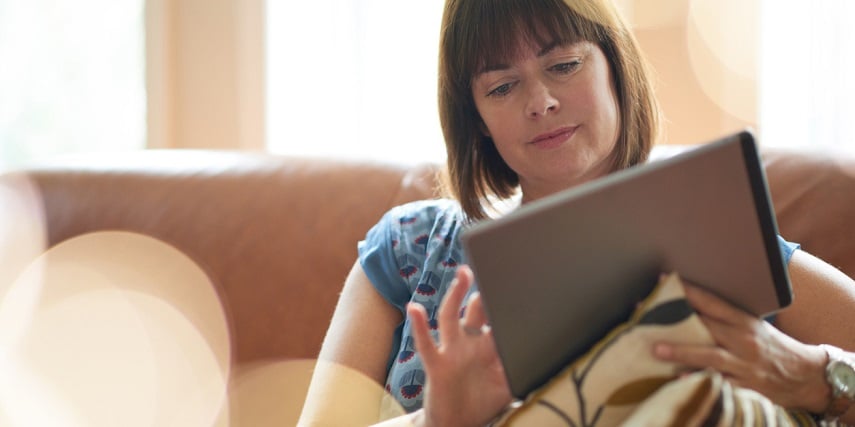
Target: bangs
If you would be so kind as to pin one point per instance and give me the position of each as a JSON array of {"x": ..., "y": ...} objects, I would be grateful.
[{"x": 507, "y": 26}]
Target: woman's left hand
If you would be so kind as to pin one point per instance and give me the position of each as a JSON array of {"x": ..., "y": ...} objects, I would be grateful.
[
  {"x": 753, "y": 354},
  {"x": 466, "y": 384}
]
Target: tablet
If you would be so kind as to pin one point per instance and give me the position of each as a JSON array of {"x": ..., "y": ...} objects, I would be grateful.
[{"x": 558, "y": 274}]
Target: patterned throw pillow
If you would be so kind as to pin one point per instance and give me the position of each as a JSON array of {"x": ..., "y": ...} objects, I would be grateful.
[{"x": 619, "y": 382}]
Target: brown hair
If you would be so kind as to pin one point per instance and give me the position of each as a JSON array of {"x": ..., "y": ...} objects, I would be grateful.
[{"x": 479, "y": 32}]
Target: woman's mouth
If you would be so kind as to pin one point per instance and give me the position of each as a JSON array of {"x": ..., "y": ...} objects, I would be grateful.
[{"x": 553, "y": 138}]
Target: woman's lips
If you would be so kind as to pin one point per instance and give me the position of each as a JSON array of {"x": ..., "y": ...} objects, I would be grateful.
[{"x": 554, "y": 138}]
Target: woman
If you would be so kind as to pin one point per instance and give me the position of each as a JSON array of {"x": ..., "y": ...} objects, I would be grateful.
[{"x": 536, "y": 97}]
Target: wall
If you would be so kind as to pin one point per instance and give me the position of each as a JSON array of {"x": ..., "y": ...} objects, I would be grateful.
[
  {"x": 205, "y": 73},
  {"x": 704, "y": 54}
]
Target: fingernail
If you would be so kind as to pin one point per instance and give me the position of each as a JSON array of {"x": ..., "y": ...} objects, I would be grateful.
[
  {"x": 662, "y": 350},
  {"x": 471, "y": 297}
]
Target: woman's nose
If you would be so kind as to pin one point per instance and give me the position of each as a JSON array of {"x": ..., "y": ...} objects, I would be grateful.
[{"x": 541, "y": 101}]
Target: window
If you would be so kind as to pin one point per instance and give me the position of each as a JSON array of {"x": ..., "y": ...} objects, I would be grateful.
[
  {"x": 354, "y": 79},
  {"x": 807, "y": 92},
  {"x": 72, "y": 78}
]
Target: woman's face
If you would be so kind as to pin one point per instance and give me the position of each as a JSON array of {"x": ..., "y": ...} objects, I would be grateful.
[{"x": 552, "y": 114}]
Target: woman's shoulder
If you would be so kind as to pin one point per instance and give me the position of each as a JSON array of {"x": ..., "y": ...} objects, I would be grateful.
[
  {"x": 416, "y": 221},
  {"x": 426, "y": 211}
]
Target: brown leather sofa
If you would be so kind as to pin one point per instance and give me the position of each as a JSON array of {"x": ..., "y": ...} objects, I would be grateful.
[{"x": 277, "y": 235}]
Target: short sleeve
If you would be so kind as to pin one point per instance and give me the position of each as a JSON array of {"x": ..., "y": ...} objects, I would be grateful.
[
  {"x": 411, "y": 255},
  {"x": 377, "y": 257},
  {"x": 787, "y": 248}
]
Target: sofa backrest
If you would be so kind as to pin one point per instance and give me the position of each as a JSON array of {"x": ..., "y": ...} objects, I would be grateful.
[
  {"x": 814, "y": 199},
  {"x": 277, "y": 235}
]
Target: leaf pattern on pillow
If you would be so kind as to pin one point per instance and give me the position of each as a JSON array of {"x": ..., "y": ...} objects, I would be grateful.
[
  {"x": 635, "y": 392},
  {"x": 667, "y": 313}
]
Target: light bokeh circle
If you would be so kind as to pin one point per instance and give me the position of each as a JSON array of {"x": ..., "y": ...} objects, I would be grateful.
[{"x": 120, "y": 329}]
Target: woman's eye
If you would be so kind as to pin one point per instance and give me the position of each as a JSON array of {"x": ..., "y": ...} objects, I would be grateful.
[
  {"x": 566, "y": 67},
  {"x": 501, "y": 90}
]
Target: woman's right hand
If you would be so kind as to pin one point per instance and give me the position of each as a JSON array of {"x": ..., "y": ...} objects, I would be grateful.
[
  {"x": 751, "y": 353},
  {"x": 466, "y": 384}
]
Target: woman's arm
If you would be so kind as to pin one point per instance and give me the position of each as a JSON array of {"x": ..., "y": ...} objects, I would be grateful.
[
  {"x": 347, "y": 384},
  {"x": 467, "y": 384},
  {"x": 823, "y": 310}
]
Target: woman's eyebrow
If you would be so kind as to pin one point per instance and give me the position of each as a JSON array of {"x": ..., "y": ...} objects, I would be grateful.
[
  {"x": 493, "y": 67},
  {"x": 549, "y": 48},
  {"x": 501, "y": 66}
]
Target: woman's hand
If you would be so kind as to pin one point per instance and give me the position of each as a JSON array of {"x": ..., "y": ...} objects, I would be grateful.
[
  {"x": 753, "y": 354},
  {"x": 466, "y": 384}
]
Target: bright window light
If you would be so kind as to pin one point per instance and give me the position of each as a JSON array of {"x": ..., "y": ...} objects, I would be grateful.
[
  {"x": 72, "y": 78},
  {"x": 354, "y": 79},
  {"x": 807, "y": 92}
]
